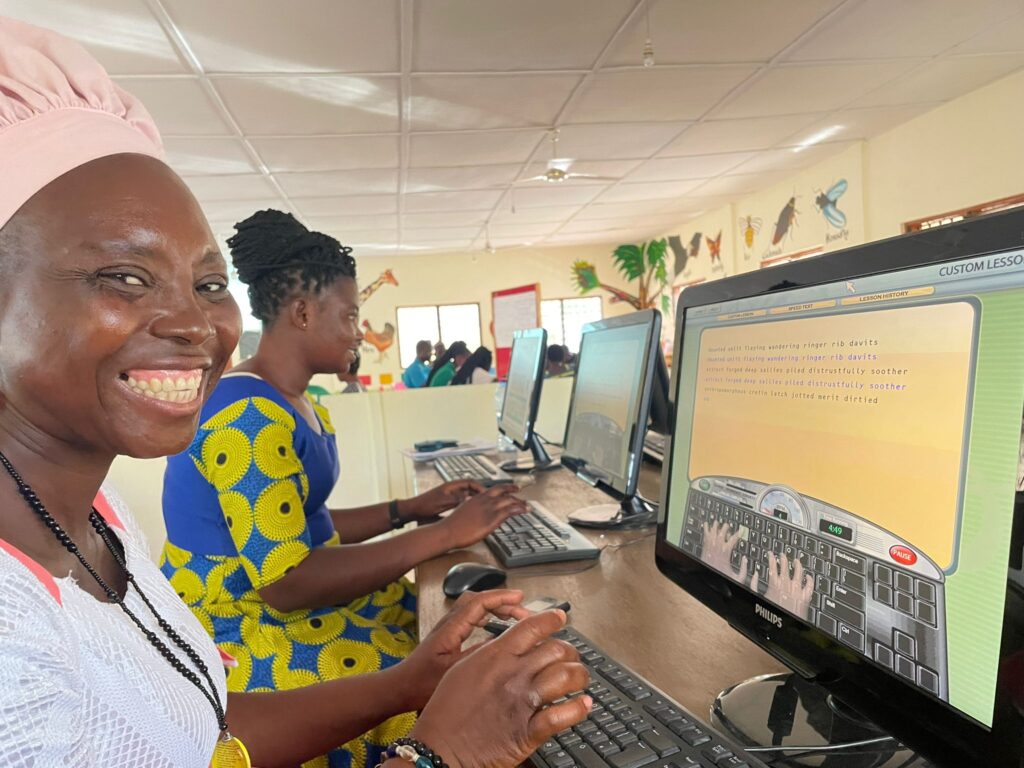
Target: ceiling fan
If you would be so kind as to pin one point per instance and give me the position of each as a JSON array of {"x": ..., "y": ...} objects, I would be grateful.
[{"x": 558, "y": 171}]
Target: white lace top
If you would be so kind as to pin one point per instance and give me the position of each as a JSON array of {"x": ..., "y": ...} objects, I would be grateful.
[{"x": 79, "y": 683}]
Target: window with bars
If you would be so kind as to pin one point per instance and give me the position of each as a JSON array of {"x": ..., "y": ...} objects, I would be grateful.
[
  {"x": 564, "y": 319},
  {"x": 444, "y": 322}
]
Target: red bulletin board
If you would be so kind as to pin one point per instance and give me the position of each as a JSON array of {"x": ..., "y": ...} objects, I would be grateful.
[{"x": 514, "y": 309}]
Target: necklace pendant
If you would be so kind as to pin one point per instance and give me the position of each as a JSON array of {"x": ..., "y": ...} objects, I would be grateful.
[{"x": 229, "y": 753}]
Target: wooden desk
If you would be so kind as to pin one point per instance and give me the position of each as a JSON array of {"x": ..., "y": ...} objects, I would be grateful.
[{"x": 623, "y": 603}]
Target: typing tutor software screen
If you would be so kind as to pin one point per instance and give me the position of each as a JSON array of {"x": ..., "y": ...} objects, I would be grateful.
[{"x": 824, "y": 442}]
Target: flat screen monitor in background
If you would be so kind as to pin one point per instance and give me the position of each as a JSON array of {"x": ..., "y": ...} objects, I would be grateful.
[
  {"x": 608, "y": 415},
  {"x": 659, "y": 427},
  {"x": 522, "y": 399},
  {"x": 840, "y": 487}
]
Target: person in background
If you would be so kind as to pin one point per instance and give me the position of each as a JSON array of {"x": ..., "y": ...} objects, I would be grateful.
[
  {"x": 415, "y": 376},
  {"x": 351, "y": 377},
  {"x": 445, "y": 366},
  {"x": 295, "y": 590},
  {"x": 555, "y": 362},
  {"x": 439, "y": 350},
  {"x": 476, "y": 369},
  {"x": 111, "y": 277}
]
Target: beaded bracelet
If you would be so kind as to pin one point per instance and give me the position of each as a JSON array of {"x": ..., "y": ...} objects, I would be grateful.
[{"x": 415, "y": 752}]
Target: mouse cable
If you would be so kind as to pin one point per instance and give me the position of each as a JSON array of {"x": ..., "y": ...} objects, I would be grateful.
[
  {"x": 548, "y": 442},
  {"x": 807, "y": 749}
]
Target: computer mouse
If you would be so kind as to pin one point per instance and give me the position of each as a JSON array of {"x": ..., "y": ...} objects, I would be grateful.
[{"x": 474, "y": 577}]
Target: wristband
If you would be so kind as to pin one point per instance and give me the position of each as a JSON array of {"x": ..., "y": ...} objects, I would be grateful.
[
  {"x": 415, "y": 752},
  {"x": 393, "y": 516}
]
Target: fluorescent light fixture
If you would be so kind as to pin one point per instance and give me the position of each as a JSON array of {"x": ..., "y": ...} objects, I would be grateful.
[{"x": 817, "y": 138}]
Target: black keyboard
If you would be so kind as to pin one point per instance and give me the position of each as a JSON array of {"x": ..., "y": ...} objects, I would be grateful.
[
  {"x": 537, "y": 537},
  {"x": 478, "y": 468},
  {"x": 633, "y": 724}
]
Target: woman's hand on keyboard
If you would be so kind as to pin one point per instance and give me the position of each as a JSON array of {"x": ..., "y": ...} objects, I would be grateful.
[
  {"x": 442, "y": 648},
  {"x": 495, "y": 707},
  {"x": 478, "y": 516},
  {"x": 718, "y": 547},
  {"x": 439, "y": 499}
]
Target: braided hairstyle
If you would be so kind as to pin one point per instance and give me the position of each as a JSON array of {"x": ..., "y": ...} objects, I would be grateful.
[
  {"x": 457, "y": 348},
  {"x": 277, "y": 257},
  {"x": 481, "y": 358}
]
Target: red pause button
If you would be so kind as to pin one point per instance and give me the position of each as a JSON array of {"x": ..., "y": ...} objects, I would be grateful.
[{"x": 902, "y": 554}]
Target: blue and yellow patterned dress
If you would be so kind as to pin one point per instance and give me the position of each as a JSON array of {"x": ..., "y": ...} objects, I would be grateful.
[{"x": 244, "y": 505}]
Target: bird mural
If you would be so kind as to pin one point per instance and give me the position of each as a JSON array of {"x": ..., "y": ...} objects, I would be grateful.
[
  {"x": 381, "y": 341},
  {"x": 386, "y": 278}
]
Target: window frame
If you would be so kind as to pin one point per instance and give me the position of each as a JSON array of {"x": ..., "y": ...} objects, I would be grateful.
[
  {"x": 561, "y": 310},
  {"x": 437, "y": 316}
]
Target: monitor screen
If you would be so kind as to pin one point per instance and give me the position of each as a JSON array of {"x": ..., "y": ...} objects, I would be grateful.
[
  {"x": 522, "y": 390},
  {"x": 846, "y": 452},
  {"x": 610, "y": 399}
]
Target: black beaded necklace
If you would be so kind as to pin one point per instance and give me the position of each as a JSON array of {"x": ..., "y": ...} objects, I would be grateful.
[{"x": 103, "y": 530}]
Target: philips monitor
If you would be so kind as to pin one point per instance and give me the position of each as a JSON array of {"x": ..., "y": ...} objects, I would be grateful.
[
  {"x": 522, "y": 399},
  {"x": 840, "y": 486},
  {"x": 608, "y": 415}
]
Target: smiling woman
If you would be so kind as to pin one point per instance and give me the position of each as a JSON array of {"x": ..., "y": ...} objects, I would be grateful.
[{"x": 115, "y": 325}]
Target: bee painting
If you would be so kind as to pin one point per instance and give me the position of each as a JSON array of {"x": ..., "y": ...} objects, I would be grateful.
[
  {"x": 786, "y": 218},
  {"x": 715, "y": 246},
  {"x": 827, "y": 202},
  {"x": 750, "y": 225}
]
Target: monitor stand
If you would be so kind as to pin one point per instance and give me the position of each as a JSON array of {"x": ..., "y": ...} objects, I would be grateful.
[
  {"x": 540, "y": 461},
  {"x": 632, "y": 512},
  {"x": 788, "y": 710}
]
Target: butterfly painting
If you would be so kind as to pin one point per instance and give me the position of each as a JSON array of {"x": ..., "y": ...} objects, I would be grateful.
[{"x": 828, "y": 202}]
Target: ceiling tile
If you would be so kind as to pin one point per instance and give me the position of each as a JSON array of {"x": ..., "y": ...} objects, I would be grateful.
[
  {"x": 615, "y": 141},
  {"x": 632, "y": 209},
  {"x": 178, "y": 105},
  {"x": 719, "y": 31},
  {"x": 945, "y": 79},
  {"x": 551, "y": 213},
  {"x": 473, "y": 35},
  {"x": 532, "y": 231},
  {"x": 740, "y": 184},
  {"x": 271, "y": 36},
  {"x": 328, "y": 153},
  {"x": 1003, "y": 37},
  {"x": 649, "y": 190},
  {"x": 611, "y": 169},
  {"x": 381, "y": 221},
  {"x": 332, "y": 183},
  {"x": 472, "y": 147},
  {"x": 349, "y": 235},
  {"x": 328, "y": 104},
  {"x": 658, "y": 94},
  {"x": 351, "y": 205},
  {"x": 694, "y": 167},
  {"x": 860, "y": 123},
  {"x": 482, "y": 199},
  {"x": 227, "y": 212},
  {"x": 590, "y": 226},
  {"x": 122, "y": 34},
  {"x": 818, "y": 88},
  {"x": 445, "y": 219},
  {"x": 494, "y": 101},
  {"x": 569, "y": 193},
  {"x": 735, "y": 135},
  {"x": 193, "y": 157},
  {"x": 469, "y": 177},
  {"x": 433, "y": 234},
  {"x": 789, "y": 159},
  {"x": 882, "y": 28},
  {"x": 246, "y": 186},
  {"x": 613, "y": 237}
]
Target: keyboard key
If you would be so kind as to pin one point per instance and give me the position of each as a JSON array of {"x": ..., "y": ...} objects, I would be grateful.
[
  {"x": 695, "y": 736},
  {"x": 560, "y": 759},
  {"x": 656, "y": 704},
  {"x": 853, "y": 580},
  {"x": 614, "y": 729},
  {"x": 827, "y": 624},
  {"x": 904, "y": 582},
  {"x": 883, "y": 573},
  {"x": 669, "y": 714},
  {"x": 905, "y": 644},
  {"x": 607, "y": 748},
  {"x": 883, "y": 594},
  {"x": 568, "y": 741},
  {"x": 716, "y": 752},
  {"x": 905, "y": 668},
  {"x": 883, "y": 655},
  {"x": 595, "y": 738},
  {"x": 844, "y": 595},
  {"x": 549, "y": 747},
  {"x": 733, "y": 762},
  {"x": 678, "y": 726},
  {"x": 905, "y": 603},
  {"x": 586, "y": 727},
  {"x": 843, "y": 612},
  {"x": 849, "y": 560},
  {"x": 625, "y": 739},
  {"x": 638, "y": 726},
  {"x": 925, "y": 590},
  {"x": 586, "y": 757},
  {"x": 928, "y": 680},
  {"x": 602, "y": 718},
  {"x": 851, "y": 637},
  {"x": 660, "y": 742},
  {"x": 925, "y": 612},
  {"x": 633, "y": 757}
]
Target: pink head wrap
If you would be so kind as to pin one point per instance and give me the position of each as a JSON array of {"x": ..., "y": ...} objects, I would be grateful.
[{"x": 58, "y": 110}]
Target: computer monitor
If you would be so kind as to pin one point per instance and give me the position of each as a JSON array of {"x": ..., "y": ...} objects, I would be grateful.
[
  {"x": 608, "y": 415},
  {"x": 859, "y": 414},
  {"x": 522, "y": 399}
]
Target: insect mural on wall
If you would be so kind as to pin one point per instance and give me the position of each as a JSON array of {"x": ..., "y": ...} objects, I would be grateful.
[
  {"x": 828, "y": 202},
  {"x": 695, "y": 245},
  {"x": 787, "y": 217},
  {"x": 750, "y": 225},
  {"x": 715, "y": 247}
]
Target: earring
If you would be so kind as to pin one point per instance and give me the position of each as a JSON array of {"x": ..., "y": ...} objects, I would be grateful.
[{"x": 304, "y": 326}]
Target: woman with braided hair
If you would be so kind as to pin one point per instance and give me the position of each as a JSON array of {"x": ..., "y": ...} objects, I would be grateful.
[{"x": 290, "y": 588}]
